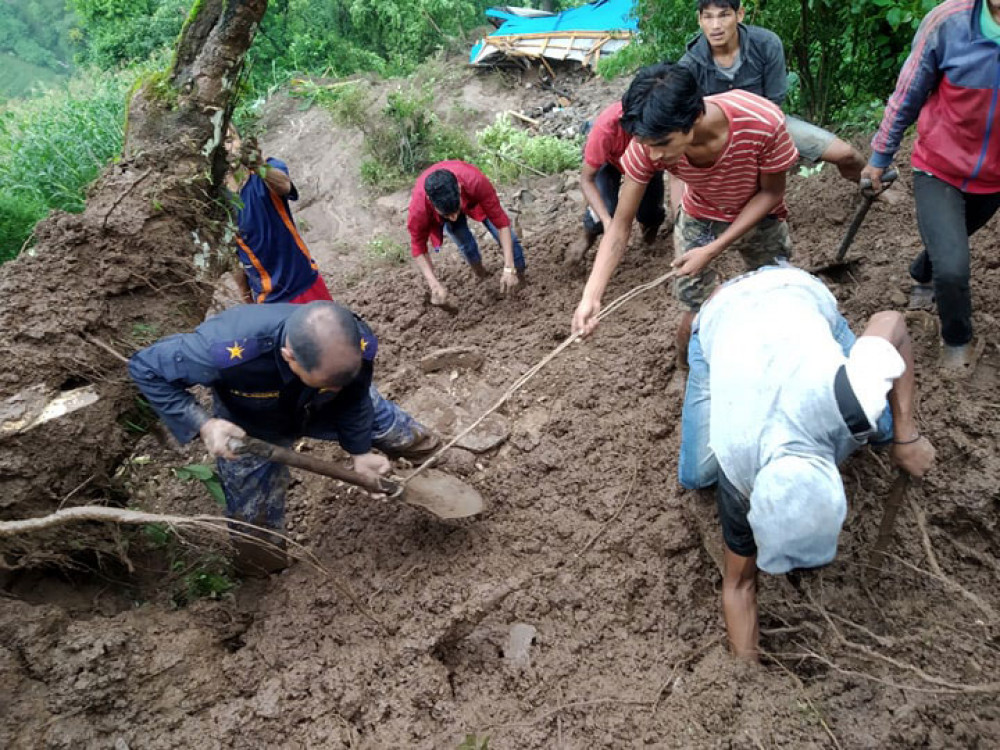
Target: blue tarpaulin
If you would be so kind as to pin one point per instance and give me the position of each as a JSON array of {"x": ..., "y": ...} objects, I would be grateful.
[{"x": 583, "y": 34}]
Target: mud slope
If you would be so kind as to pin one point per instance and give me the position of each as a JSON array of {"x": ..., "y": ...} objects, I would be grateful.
[{"x": 588, "y": 539}]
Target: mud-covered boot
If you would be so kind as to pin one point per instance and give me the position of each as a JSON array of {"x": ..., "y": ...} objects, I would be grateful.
[
  {"x": 420, "y": 447},
  {"x": 921, "y": 297},
  {"x": 259, "y": 559},
  {"x": 960, "y": 361},
  {"x": 479, "y": 270},
  {"x": 578, "y": 250}
]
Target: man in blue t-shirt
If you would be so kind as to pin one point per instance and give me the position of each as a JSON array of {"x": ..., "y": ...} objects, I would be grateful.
[{"x": 275, "y": 264}]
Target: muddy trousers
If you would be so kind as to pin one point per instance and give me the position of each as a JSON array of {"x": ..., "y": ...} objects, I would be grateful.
[
  {"x": 651, "y": 213},
  {"x": 461, "y": 235},
  {"x": 255, "y": 488},
  {"x": 947, "y": 217}
]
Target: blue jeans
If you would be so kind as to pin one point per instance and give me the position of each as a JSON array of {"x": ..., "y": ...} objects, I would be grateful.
[
  {"x": 255, "y": 487},
  {"x": 460, "y": 233},
  {"x": 697, "y": 466}
]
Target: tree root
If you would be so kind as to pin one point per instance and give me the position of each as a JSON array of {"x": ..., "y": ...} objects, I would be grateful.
[{"x": 212, "y": 524}]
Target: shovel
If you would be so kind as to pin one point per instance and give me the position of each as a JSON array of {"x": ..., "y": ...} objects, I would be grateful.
[
  {"x": 897, "y": 493},
  {"x": 868, "y": 196},
  {"x": 432, "y": 490}
]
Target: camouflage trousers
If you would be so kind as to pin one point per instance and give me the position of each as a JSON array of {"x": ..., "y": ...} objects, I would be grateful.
[
  {"x": 761, "y": 246},
  {"x": 255, "y": 488}
]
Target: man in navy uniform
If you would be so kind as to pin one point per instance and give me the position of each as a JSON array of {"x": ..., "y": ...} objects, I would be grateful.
[{"x": 277, "y": 372}]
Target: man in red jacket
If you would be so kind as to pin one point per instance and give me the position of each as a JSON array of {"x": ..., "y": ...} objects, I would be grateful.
[
  {"x": 445, "y": 196},
  {"x": 950, "y": 84}
]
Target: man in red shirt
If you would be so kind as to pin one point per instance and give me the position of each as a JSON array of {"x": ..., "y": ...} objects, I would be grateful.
[
  {"x": 731, "y": 151},
  {"x": 444, "y": 197},
  {"x": 601, "y": 179}
]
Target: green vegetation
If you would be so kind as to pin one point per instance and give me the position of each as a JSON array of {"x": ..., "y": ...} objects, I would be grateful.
[
  {"x": 475, "y": 742},
  {"x": 388, "y": 250},
  {"x": 112, "y": 33},
  {"x": 35, "y": 46},
  {"x": 406, "y": 138},
  {"x": 508, "y": 152},
  {"x": 207, "y": 475},
  {"x": 843, "y": 56},
  {"x": 54, "y": 146},
  {"x": 193, "y": 574}
]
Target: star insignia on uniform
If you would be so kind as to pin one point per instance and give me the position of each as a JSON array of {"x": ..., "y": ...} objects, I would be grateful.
[
  {"x": 364, "y": 344},
  {"x": 235, "y": 351}
]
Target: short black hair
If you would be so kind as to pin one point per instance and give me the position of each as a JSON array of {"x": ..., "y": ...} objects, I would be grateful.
[
  {"x": 310, "y": 327},
  {"x": 731, "y": 4},
  {"x": 441, "y": 187},
  {"x": 663, "y": 98}
]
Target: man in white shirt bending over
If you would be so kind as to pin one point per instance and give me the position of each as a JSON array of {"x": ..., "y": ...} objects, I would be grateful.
[{"x": 779, "y": 393}]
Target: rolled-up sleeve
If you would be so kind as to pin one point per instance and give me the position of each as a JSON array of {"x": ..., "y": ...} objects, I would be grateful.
[{"x": 163, "y": 373}]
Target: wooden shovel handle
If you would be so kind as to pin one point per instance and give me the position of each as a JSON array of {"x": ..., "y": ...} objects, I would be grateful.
[
  {"x": 249, "y": 446},
  {"x": 893, "y": 502}
]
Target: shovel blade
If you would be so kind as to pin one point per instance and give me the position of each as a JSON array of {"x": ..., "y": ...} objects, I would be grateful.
[{"x": 443, "y": 495}]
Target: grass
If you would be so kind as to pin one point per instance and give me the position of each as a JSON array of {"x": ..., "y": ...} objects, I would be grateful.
[
  {"x": 54, "y": 145},
  {"x": 388, "y": 250}
]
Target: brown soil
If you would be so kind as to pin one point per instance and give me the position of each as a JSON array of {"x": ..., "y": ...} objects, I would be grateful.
[{"x": 587, "y": 538}]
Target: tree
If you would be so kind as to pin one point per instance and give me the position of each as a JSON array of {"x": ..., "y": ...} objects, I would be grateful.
[{"x": 130, "y": 266}]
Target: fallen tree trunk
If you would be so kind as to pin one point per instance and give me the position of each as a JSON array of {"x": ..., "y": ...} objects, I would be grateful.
[{"x": 129, "y": 269}]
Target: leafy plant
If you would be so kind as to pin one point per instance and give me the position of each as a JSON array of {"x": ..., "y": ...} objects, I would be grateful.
[
  {"x": 208, "y": 578},
  {"x": 474, "y": 742},
  {"x": 347, "y": 101},
  {"x": 388, "y": 250},
  {"x": 205, "y": 474},
  {"x": 140, "y": 418},
  {"x": 509, "y": 152}
]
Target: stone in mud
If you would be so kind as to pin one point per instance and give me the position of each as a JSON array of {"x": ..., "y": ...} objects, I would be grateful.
[
  {"x": 517, "y": 647},
  {"x": 452, "y": 357}
]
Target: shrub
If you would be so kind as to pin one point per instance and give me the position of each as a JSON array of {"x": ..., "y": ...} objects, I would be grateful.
[
  {"x": 509, "y": 152},
  {"x": 18, "y": 216},
  {"x": 53, "y": 146}
]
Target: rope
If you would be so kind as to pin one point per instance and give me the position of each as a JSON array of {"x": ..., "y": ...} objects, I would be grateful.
[{"x": 523, "y": 380}]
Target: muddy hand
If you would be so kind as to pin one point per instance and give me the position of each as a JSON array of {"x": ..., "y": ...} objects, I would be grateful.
[
  {"x": 216, "y": 434},
  {"x": 585, "y": 317},
  {"x": 439, "y": 296},
  {"x": 916, "y": 459},
  {"x": 508, "y": 281},
  {"x": 372, "y": 467}
]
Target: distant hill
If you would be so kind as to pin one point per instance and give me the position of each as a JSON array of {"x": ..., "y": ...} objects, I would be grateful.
[{"x": 35, "y": 45}]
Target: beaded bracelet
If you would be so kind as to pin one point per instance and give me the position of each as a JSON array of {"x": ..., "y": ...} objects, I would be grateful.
[{"x": 907, "y": 442}]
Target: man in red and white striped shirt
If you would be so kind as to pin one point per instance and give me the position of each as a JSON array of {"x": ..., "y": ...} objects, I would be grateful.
[{"x": 731, "y": 151}]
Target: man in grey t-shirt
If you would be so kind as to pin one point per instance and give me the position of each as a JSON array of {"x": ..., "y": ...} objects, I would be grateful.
[
  {"x": 778, "y": 394},
  {"x": 728, "y": 55}
]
